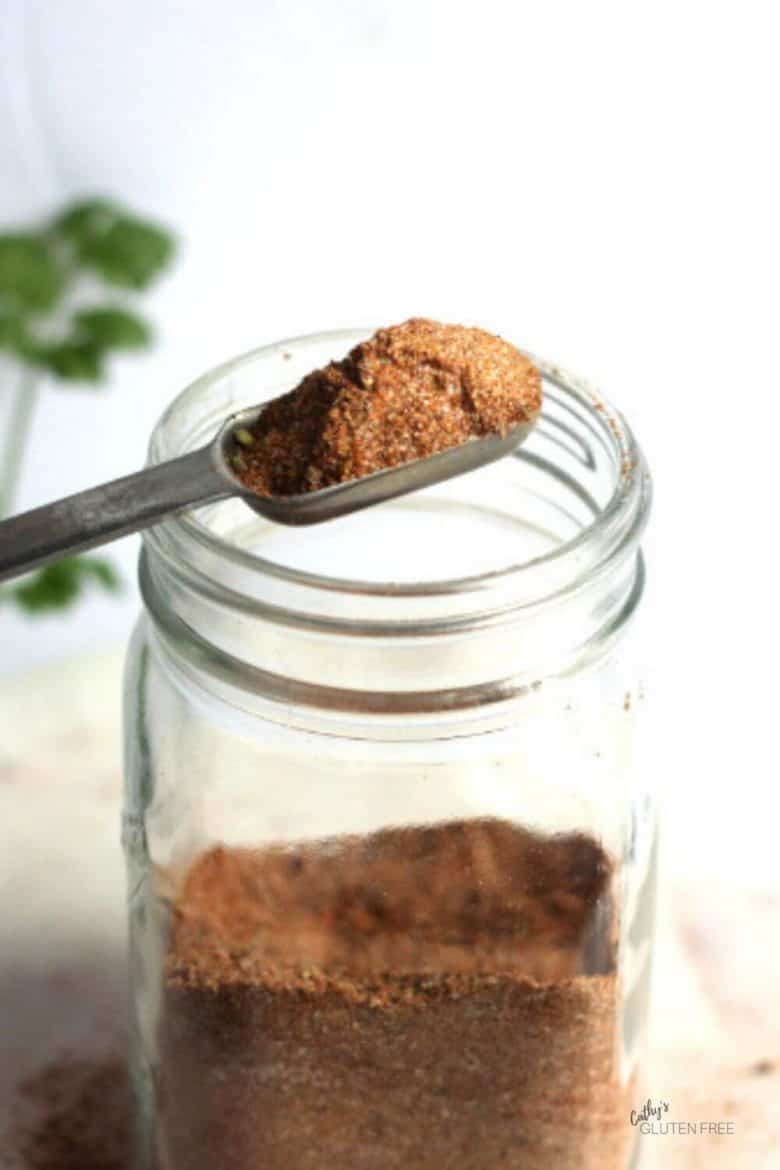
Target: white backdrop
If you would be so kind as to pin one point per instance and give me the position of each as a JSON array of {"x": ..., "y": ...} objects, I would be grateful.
[{"x": 596, "y": 181}]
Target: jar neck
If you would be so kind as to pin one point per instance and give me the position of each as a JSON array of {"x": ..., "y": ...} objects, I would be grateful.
[{"x": 262, "y": 625}]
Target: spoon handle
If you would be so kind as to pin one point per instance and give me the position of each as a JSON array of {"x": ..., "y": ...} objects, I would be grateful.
[{"x": 104, "y": 513}]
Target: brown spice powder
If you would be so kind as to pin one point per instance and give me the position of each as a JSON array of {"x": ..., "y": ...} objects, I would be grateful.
[
  {"x": 441, "y": 998},
  {"x": 78, "y": 1117},
  {"x": 410, "y": 391}
]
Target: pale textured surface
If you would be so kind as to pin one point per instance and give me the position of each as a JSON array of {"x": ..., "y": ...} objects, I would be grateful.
[{"x": 62, "y": 925}]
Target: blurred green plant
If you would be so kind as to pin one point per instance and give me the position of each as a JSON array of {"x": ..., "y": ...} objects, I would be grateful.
[{"x": 65, "y": 290}]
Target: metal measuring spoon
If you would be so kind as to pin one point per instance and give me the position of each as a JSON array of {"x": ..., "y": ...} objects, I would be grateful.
[{"x": 137, "y": 501}]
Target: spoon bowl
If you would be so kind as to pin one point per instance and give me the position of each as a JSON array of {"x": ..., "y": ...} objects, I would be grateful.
[
  {"x": 137, "y": 501},
  {"x": 356, "y": 494}
]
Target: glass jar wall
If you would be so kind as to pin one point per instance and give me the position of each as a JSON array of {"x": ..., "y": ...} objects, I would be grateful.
[{"x": 390, "y": 854}]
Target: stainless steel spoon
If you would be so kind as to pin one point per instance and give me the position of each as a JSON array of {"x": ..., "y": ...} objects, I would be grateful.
[{"x": 137, "y": 501}]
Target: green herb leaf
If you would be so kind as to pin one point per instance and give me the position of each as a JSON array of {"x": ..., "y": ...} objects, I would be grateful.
[
  {"x": 73, "y": 361},
  {"x": 124, "y": 249},
  {"x": 81, "y": 356},
  {"x": 113, "y": 328},
  {"x": 86, "y": 219},
  {"x": 30, "y": 277},
  {"x": 14, "y": 336},
  {"x": 130, "y": 254},
  {"x": 59, "y": 586}
]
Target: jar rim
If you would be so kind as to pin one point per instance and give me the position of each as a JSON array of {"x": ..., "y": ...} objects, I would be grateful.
[{"x": 618, "y": 523}]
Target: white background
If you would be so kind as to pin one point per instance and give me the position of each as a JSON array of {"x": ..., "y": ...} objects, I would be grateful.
[{"x": 598, "y": 182}]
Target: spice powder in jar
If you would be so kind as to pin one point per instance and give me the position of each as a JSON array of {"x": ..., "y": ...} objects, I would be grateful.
[{"x": 434, "y": 997}]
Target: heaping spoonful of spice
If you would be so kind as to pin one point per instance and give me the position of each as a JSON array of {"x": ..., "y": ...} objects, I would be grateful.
[{"x": 414, "y": 405}]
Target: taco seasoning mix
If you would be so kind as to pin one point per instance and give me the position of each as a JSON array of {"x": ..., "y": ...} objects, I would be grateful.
[{"x": 390, "y": 857}]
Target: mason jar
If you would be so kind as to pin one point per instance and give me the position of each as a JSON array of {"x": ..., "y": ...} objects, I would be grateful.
[{"x": 390, "y": 851}]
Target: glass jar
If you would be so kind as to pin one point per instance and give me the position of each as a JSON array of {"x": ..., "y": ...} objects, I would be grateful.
[{"x": 390, "y": 854}]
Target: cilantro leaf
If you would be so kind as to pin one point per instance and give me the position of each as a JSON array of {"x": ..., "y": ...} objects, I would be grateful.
[
  {"x": 86, "y": 219},
  {"x": 124, "y": 249},
  {"x": 58, "y": 586},
  {"x": 112, "y": 328},
  {"x": 129, "y": 254},
  {"x": 31, "y": 280},
  {"x": 81, "y": 355},
  {"x": 37, "y": 267},
  {"x": 14, "y": 336},
  {"x": 73, "y": 360}
]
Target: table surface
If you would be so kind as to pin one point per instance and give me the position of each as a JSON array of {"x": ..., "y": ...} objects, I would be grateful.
[{"x": 716, "y": 1017}]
